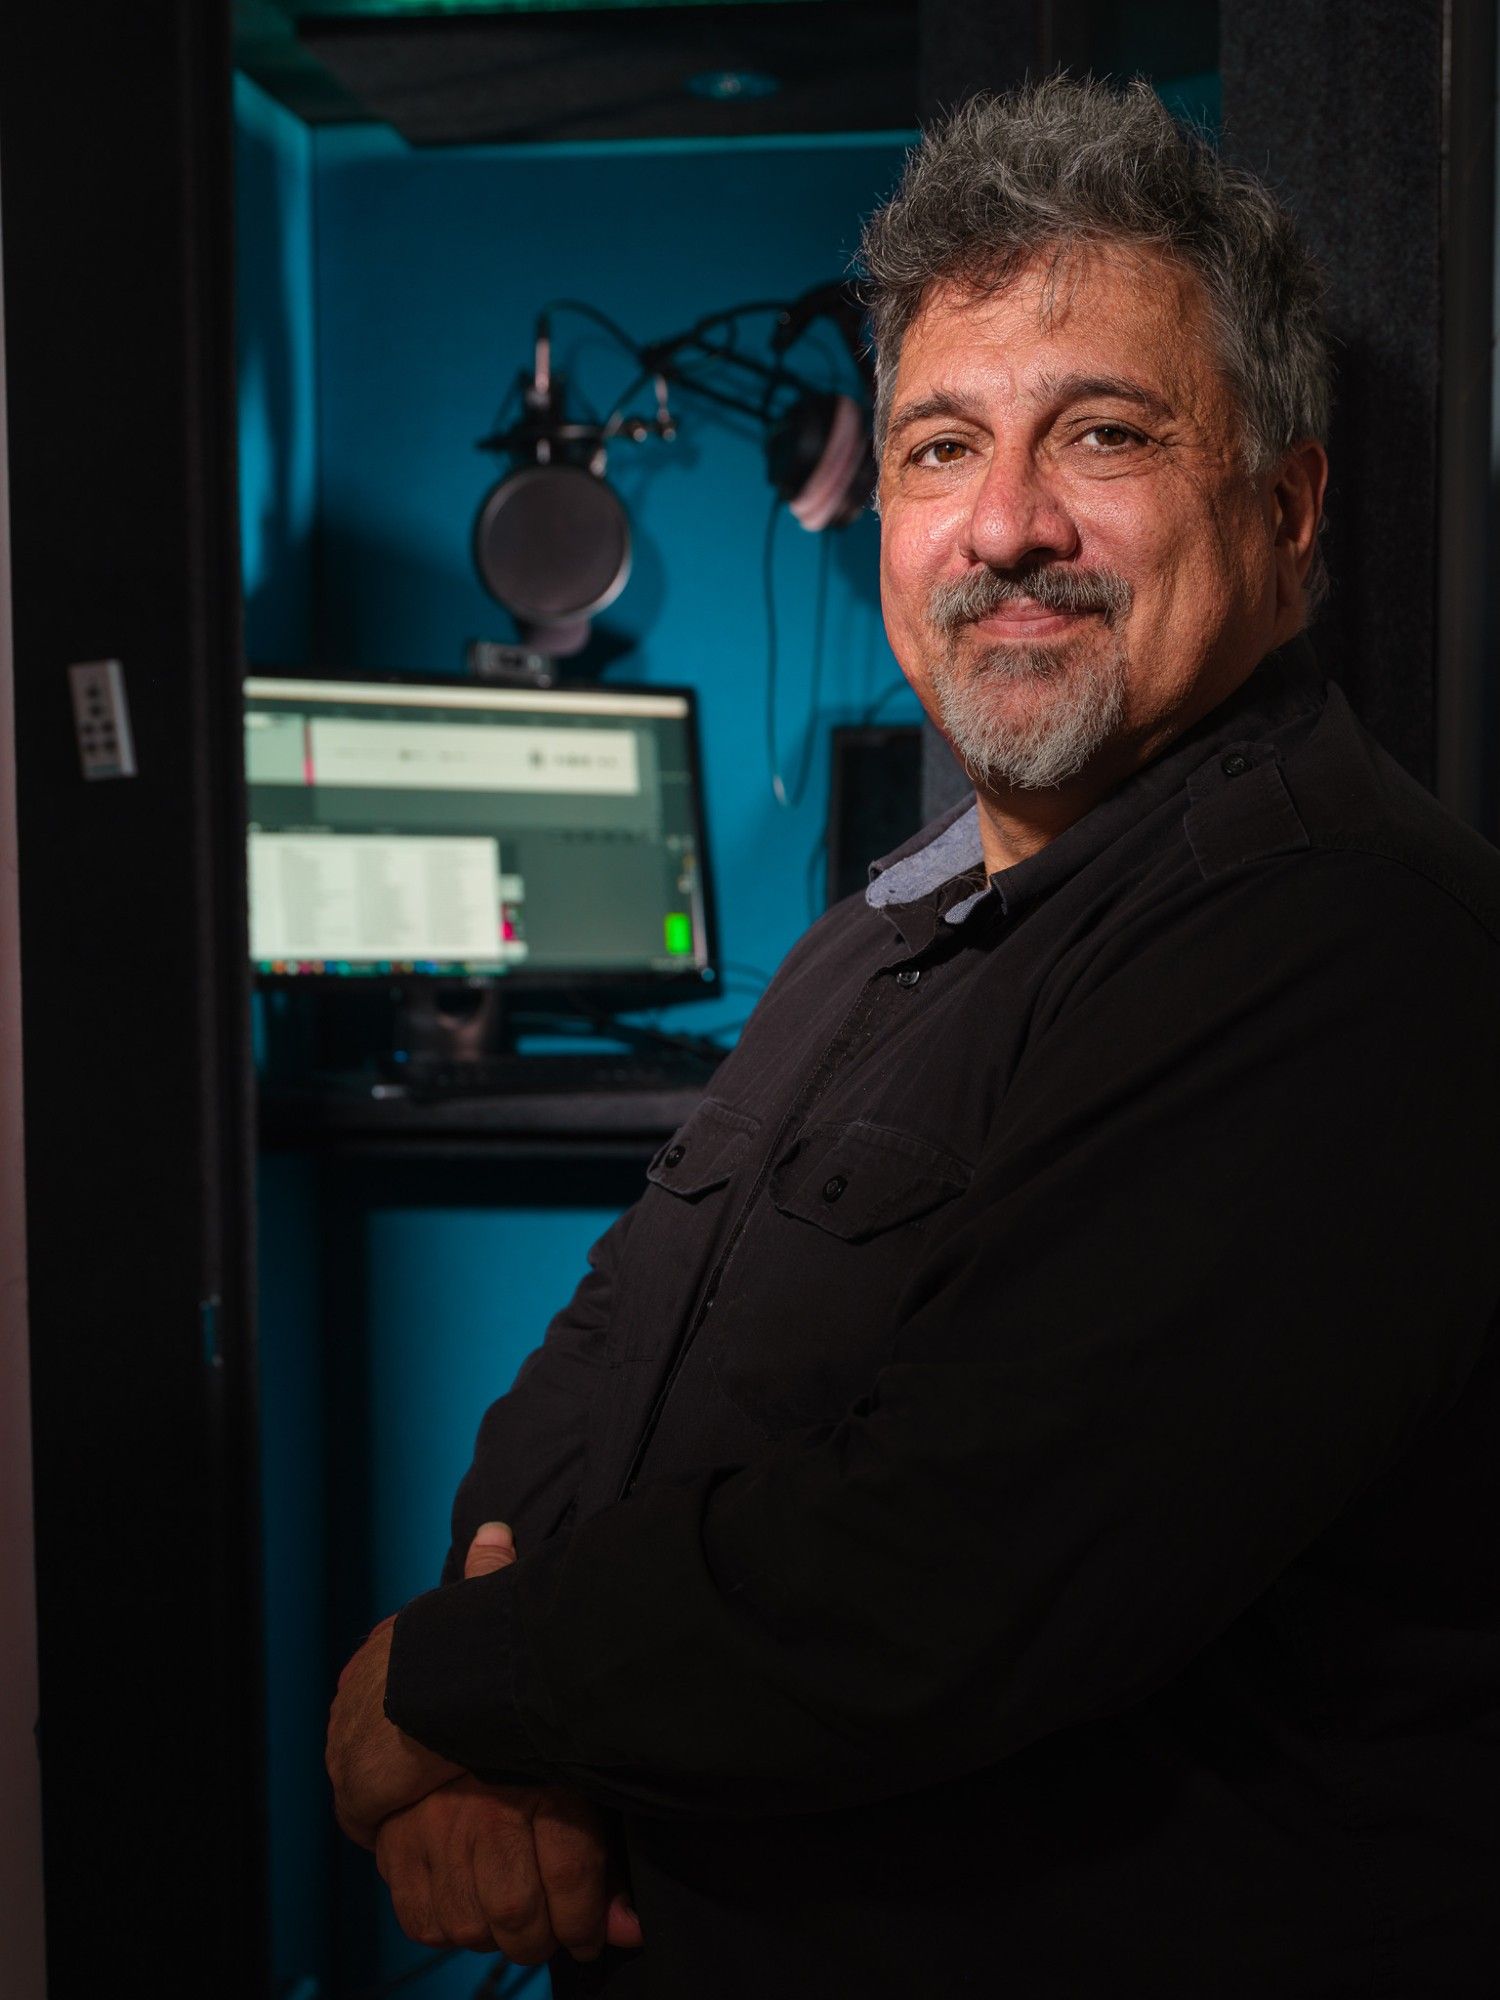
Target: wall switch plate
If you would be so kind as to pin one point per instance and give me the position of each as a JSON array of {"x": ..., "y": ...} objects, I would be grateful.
[{"x": 101, "y": 719}]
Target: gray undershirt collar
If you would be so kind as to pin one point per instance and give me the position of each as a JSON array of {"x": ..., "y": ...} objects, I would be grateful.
[{"x": 955, "y": 850}]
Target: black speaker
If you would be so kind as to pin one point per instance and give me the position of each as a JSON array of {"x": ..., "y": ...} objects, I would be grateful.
[{"x": 874, "y": 799}]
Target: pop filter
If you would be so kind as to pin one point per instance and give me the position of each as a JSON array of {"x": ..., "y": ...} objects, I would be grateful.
[
  {"x": 552, "y": 544},
  {"x": 551, "y": 540}
]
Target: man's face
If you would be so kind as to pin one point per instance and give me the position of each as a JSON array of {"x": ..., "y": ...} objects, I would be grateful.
[{"x": 1075, "y": 563}]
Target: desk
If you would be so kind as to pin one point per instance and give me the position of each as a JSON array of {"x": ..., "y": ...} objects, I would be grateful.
[{"x": 624, "y": 1126}]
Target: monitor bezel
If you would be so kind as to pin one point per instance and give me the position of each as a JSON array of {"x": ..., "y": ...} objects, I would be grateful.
[{"x": 526, "y": 989}]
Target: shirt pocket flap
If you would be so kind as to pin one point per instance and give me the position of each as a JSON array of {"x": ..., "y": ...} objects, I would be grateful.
[
  {"x": 856, "y": 1180},
  {"x": 703, "y": 1153}
]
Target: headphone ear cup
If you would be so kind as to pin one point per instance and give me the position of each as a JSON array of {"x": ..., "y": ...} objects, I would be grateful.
[{"x": 820, "y": 460}]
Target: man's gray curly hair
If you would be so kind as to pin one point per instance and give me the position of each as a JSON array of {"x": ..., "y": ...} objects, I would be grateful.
[{"x": 1066, "y": 163}]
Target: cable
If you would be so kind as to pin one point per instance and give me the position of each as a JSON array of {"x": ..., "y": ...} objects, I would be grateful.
[
  {"x": 611, "y": 327},
  {"x": 599, "y": 1021},
  {"x": 732, "y": 313},
  {"x": 887, "y": 694},
  {"x": 755, "y": 972},
  {"x": 498, "y": 1985},
  {"x": 789, "y": 800},
  {"x": 768, "y": 589},
  {"x": 817, "y": 899}
]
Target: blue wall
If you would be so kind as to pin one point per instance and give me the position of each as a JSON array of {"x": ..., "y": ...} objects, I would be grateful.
[
  {"x": 430, "y": 270},
  {"x": 274, "y": 339},
  {"x": 387, "y": 298},
  {"x": 277, "y": 497}
]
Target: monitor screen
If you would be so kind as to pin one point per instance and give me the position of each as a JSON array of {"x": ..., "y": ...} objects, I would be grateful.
[{"x": 428, "y": 829}]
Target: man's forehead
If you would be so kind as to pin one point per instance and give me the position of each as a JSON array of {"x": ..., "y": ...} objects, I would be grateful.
[{"x": 1114, "y": 309}]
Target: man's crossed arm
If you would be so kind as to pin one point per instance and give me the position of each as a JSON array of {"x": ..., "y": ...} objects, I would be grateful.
[{"x": 524, "y": 1869}]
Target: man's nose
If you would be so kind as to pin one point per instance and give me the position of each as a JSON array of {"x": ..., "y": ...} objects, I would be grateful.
[{"x": 1018, "y": 514}]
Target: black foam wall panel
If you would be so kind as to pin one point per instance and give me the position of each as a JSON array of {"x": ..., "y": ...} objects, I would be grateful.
[
  {"x": 1340, "y": 107},
  {"x": 116, "y": 162}
]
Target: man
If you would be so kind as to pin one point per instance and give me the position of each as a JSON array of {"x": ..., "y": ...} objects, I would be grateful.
[{"x": 1009, "y": 1510}]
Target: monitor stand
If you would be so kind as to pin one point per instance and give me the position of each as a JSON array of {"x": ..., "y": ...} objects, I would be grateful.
[
  {"x": 380, "y": 1027},
  {"x": 450, "y": 1024}
]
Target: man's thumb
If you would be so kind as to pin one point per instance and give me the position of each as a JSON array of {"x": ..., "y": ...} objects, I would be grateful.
[{"x": 493, "y": 1547}]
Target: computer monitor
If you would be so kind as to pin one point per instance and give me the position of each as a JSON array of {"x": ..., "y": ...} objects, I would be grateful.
[{"x": 416, "y": 830}]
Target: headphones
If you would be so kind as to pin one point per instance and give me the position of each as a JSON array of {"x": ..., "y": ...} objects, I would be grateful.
[
  {"x": 820, "y": 455},
  {"x": 551, "y": 540}
]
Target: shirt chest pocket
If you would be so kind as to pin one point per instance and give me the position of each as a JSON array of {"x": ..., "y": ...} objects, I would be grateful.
[
  {"x": 856, "y": 1181},
  {"x": 705, "y": 1152},
  {"x": 808, "y": 1309},
  {"x": 680, "y": 1226}
]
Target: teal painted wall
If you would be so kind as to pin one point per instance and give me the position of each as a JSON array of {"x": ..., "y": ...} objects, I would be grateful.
[
  {"x": 274, "y": 329},
  {"x": 277, "y": 499},
  {"x": 430, "y": 270}
]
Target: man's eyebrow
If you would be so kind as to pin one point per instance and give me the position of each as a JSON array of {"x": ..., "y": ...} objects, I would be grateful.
[
  {"x": 941, "y": 404},
  {"x": 1076, "y": 388},
  {"x": 1049, "y": 388}
]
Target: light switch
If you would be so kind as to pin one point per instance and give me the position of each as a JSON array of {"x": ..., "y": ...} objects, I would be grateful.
[{"x": 101, "y": 719}]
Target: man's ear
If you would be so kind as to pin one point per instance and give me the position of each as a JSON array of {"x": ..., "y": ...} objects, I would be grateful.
[{"x": 1297, "y": 507}]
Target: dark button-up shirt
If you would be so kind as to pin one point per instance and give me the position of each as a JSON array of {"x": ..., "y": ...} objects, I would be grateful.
[{"x": 1012, "y": 1508}]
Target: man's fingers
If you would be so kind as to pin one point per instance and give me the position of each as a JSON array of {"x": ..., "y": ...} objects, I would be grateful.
[
  {"x": 622, "y": 1927},
  {"x": 572, "y": 1855},
  {"x": 521, "y": 1867},
  {"x": 457, "y": 1911},
  {"x": 493, "y": 1547},
  {"x": 401, "y": 1858},
  {"x": 507, "y": 1885}
]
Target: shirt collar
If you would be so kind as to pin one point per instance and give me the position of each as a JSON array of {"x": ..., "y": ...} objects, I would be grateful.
[{"x": 1286, "y": 684}]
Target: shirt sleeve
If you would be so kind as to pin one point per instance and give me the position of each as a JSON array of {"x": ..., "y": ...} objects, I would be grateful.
[
  {"x": 529, "y": 1453},
  {"x": 1226, "y": 1255}
]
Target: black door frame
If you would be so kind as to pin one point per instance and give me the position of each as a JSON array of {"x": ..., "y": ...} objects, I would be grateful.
[{"x": 116, "y": 180}]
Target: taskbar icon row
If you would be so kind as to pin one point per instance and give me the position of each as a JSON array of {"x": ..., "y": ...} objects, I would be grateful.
[{"x": 367, "y": 968}]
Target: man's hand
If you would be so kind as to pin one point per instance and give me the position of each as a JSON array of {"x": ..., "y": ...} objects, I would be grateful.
[
  {"x": 375, "y": 1769},
  {"x": 521, "y": 1868}
]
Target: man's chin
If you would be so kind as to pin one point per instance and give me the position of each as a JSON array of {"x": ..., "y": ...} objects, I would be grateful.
[{"x": 1034, "y": 717}]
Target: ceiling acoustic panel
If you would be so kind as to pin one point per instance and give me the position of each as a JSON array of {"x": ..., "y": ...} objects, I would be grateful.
[{"x": 675, "y": 72}]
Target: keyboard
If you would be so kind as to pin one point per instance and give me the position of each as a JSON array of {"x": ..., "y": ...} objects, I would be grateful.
[{"x": 570, "y": 1073}]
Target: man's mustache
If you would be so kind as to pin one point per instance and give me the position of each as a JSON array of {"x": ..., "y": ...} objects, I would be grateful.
[{"x": 1057, "y": 587}]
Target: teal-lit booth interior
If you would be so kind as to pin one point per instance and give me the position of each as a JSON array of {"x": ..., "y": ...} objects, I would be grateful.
[{"x": 386, "y": 300}]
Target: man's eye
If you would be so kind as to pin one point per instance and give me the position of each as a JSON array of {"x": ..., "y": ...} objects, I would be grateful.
[
  {"x": 941, "y": 451},
  {"x": 1112, "y": 437}
]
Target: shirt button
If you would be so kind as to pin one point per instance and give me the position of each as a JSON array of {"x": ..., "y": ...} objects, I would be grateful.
[
  {"x": 832, "y": 1189},
  {"x": 674, "y": 1155},
  {"x": 1234, "y": 765},
  {"x": 908, "y": 975}
]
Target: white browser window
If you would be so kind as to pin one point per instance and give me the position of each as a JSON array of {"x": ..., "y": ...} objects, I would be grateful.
[{"x": 373, "y": 896}]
